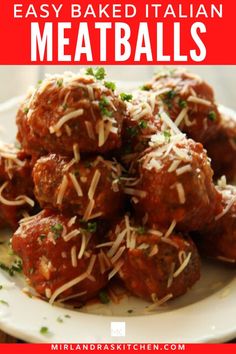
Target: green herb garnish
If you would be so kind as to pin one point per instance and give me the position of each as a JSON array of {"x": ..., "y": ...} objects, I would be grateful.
[
  {"x": 143, "y": 124},
  {"x": 15, "y": 268},
  {"x": 171, "y": 94},
  {"x": 26, "y": 110},
  {"x": 141, "y": 230},
  {"x": 67, "y": 316},
  {"x": 126, "y": 96},
  {"x": 103, "y": 297},
  {"x": 59, "y": 320},
  {"x": 92, "y": 227},
  {"x": 3, "y": 302},
  {"x": 110, "y": 85},
  {"x": 212, "y": 115},
  {"x": 132, "y": 131},
  {"x": 98, "y": 73},
  {"x": 145, "y": 88},
  {"x": 167, "y": 135},
  {"x": 44, "y": 330},
  {"x": 103, "y": 104},
  {"x": 65, "y": 106},
  {"x": 182, "y": 103},
  {"x": 59, "y": 82},
  {"x": 1, "y": 287},
  {"x": 57, "y": 230}
]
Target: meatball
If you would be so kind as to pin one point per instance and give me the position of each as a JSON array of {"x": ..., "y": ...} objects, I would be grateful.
[
  {"x": 218, "y": 238},
  {"x": 59, "y": 256},
  {"x": 16, "y": 185},
  {"x": 154, "y": 264},
  {"x": 189, "y": 101},
  {"x": 174, "y": 182},
  {"x": 222, "y": 149},
  {"x": 71, "y": 109},
  {"x": 89, "y": 188}
]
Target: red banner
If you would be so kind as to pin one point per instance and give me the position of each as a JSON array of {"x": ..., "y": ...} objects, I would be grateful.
[
  {"x": 118, "y": 348},
  {"x": 121, "y": 32}
]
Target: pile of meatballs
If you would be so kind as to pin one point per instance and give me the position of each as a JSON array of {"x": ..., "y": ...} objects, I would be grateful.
[{"x": 108, "y": 186}]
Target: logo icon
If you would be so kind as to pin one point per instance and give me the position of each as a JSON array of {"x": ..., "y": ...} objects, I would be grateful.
[{"x": 118, "y": 329}]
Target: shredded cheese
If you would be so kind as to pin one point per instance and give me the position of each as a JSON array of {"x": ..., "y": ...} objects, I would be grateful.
[
  {"x": 73, "y": 257},
  {"x": 64, "y": 119},
  {"x": 116, "y": 269},
  {"x": 94, "y": 183},
  {"x": 181, "y": 193},
  {"x": 226, "y": 209},
  {"x": 62, "y": 190},
  {"x": 76, "y": 152},
  {"x": 183, "y": 169},
  {"x": 76, "y": 185},
  {"x": 170, "y": 230},
  {"x": 182, "y": 266},
  {"x": 89, "y": 210},
  {"x": 90, "y": 131},
  {"x": 199, "y": 100},
  {"x": 20, "y": 200}
]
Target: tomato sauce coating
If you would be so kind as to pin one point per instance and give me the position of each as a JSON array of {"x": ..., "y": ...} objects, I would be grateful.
[
  {"x": 174, "y": 182},
  {"x": 70, "y": 109},
  {"x": 154, "y": 266},
  {"x": 218, "y": 239},
  {"x": 90, "y": 188},
  {"x": 16, "y": 185},
  {"x": 56, "y": 250},
  {"x": 189, "y": 102}
]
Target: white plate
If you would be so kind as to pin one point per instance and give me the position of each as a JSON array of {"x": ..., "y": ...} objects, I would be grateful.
[{"x": 207, "y": 313}]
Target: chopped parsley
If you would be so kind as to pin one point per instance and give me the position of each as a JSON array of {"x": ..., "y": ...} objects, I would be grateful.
[
  {"x": 1, "y": 287},
  {"x": 57, "y": 230},
  {"x": 59, "y": 320},
  {"x": 168, "y": 98},
  {"x": 145, "y": 88},
  {"x": 15, "y": 268},
  {"x": 126, "y": 96},
  {"x": 67, "y": 316},
  {"x": 65, "y": 106},
  {"x": 103, "y": 104},
  {"x": 110, "y": 85},
  {"x": 182, "y": 103},
  {"x": 141, "y": 230},
  {"x": 92, "y": 227},
  {"x": 98, "y": 73},
  {"x": 44, "y": 330},
  {"x": 143, "y": 124},
  {"x": 3, "y": 302},
  {"x": 26, "y": 110},
  {"x": 167, "y": 135},
  {"x": 171, "y": 94},
  {"x": 59, "y": 82},
  {"x": 212, "y": 116},
  {"x": 39, "y": 82},
  {"x": 103, "y": 297},
  {"x": 132, "y": 131}
]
